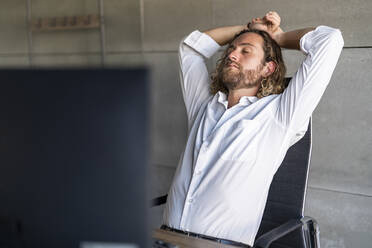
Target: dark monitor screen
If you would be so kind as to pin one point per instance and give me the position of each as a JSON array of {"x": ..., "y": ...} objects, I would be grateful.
[{"x": 73, "y": 156}]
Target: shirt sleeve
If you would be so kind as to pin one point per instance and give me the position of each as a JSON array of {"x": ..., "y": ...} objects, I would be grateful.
[
  {"x": 194, "y": 77},
  {"x": 322, "y": 47}
]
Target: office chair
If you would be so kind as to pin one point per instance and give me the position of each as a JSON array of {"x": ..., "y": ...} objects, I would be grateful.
[{"x": 283, "y": 224}]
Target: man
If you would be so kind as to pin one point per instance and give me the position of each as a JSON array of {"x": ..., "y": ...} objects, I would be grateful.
[{"x": 241, "y": 126}]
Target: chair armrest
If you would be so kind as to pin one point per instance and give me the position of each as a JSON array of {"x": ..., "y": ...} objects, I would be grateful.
[
  {"x": 266, "y": 239},
  {"x": 159, "y": 200}
]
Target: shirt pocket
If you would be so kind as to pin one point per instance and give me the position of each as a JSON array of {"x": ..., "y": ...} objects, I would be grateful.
[{"x": 240, "y": 140}]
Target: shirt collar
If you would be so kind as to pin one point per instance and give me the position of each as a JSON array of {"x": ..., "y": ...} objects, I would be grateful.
[{"x": 244, "y": 100}]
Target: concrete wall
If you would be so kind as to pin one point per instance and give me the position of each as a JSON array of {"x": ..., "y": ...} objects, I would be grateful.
[{"x": 148, "y": 32}]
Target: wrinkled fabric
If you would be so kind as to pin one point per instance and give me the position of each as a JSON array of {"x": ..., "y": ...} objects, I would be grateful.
[{"x": 223, "y": 177}]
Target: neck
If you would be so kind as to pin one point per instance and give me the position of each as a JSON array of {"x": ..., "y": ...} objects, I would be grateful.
[{"x": 235, "y": 95}]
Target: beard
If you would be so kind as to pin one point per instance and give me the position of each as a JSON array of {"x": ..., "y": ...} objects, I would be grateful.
[{"x": 236, "y": 78}]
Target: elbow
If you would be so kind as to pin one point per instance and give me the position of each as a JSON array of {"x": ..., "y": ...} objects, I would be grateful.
[
  {"x": 336, "y": 38},
  {"x": 181, "y": 45}
]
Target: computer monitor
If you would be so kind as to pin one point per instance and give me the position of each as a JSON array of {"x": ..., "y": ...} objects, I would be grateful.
[{"x": 74, "y": 148}]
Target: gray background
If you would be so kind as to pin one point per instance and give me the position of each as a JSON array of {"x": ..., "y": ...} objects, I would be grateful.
[{"x": 148, "y": 32}]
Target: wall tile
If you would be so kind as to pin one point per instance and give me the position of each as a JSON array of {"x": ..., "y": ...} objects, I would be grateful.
[
  {"x": 167, "y": 22},
  {"x": 351, "y": 17},
  {"x": 345, "y": 220},
  {"x": 124, "y": 59},
  {"x": 14, "y": 61},
  {"x": 13, "y": 27},
  {"x": 60, "y": 61},
  {"x": 169, "y": 121},
  {"x": 122, "y": 23},
  {"x": 342, "y": 141},
  {"x": 65, "y": 41}
]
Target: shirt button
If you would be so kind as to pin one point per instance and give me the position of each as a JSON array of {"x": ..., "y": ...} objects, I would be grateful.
[
  {"x": 198, "y": 172},
  {"x": 205, "y": 148},
  {"x": 190, "y": 200}
]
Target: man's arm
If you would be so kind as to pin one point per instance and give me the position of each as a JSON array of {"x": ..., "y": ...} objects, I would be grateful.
[
  {"x": 194, "y": 77},
  {"x": 193, "y": 51},
  {"x": 291, "y": 39},
  {"x": 322, "y": 47},
  {"x": 224, "y": 35}
]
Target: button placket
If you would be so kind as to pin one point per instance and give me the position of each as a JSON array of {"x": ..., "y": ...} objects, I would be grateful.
[
  {"x": 190, "y": 200},
  {"x": 203, "y": 150}
]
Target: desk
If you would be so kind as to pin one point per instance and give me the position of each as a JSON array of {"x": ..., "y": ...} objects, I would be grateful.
[{"x": 184, "y": 241}]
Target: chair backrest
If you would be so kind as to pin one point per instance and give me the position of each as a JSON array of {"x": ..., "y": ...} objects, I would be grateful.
[{"x": 287, "y": 193}]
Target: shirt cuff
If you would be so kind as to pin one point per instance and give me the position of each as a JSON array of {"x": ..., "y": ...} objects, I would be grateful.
[{"x": 202, "y": 43}]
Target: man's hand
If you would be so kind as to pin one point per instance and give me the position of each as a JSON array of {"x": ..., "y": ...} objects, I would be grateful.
[{"x": 269, "y": 23}]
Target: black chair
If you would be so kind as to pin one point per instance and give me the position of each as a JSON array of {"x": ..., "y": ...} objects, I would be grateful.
[{"x": 283, "y": 224}]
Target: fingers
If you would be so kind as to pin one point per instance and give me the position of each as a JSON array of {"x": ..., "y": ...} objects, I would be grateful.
[
  {"x": 272, "y": 20},
  {"x": 273, "y": 13},
  {"x": 273, "y": 17},
  {"x": 257, "y": 20}
]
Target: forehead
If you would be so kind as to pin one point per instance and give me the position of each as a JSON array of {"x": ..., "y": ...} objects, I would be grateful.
[{"x": 249, "y": 39}]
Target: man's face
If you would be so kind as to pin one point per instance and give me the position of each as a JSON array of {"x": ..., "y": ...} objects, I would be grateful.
[{"x": 243, "y": 66}]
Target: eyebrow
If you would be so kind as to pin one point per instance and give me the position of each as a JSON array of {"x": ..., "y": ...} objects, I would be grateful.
[
  {"x": 243, "y": 44},
  {"x": 247, "y": 44}
]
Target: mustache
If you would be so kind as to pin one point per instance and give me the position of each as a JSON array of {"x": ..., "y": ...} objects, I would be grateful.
[{"x": 230, "y": 62}]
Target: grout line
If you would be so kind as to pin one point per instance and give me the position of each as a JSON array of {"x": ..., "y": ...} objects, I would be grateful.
[
  {"x": 142, "y": 24},
  {"x": 118, "y": 52},
  {"x": 14, "y": 54},
  {"x": 212, "y": 10},
  {"x": 164, "y": 51},
  {"x": 339, "y": 191},
  {"x": 356, "y": 47},
  {"x": 83, "y": 53},
  {"x": 48, "y": 54}
]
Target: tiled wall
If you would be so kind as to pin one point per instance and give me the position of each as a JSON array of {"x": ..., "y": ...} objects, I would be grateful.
[{"x": 148, "y": 32}]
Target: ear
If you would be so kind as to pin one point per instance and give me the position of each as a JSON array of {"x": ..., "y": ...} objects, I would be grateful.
[{"x": 269, "y": 68}]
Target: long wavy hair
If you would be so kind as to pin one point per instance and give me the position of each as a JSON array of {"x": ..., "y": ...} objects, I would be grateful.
[{"x": 273, "y": 84}]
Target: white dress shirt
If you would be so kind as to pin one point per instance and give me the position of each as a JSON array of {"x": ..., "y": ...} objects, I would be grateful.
[{"x": 223, "y": 177}]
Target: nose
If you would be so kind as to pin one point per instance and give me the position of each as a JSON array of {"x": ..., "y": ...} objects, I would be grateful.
[{"x": 234, "y": 56}]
